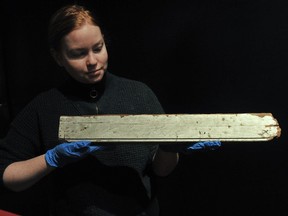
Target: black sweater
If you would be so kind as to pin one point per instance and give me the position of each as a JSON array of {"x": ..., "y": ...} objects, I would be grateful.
[{"x": 115, "y": 181}]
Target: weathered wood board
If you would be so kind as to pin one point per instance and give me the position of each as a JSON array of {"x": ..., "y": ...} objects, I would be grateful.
[{"x": 241, "y": 127}]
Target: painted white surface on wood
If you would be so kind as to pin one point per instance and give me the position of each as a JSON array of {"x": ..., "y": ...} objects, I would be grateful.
[{"x": 170, "y": 128}]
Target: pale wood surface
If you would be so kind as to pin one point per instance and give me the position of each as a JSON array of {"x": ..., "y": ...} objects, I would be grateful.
[{"x": 239, "y": 127}]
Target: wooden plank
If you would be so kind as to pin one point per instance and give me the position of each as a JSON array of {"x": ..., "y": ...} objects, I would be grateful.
[{"x": 240, "y": 127}]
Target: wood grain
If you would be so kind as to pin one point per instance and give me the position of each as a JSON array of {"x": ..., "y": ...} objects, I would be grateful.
[{"x": 239, "y": 127}]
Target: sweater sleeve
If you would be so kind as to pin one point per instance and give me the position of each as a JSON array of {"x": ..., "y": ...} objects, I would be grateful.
[{"x": 22, "y": 140}]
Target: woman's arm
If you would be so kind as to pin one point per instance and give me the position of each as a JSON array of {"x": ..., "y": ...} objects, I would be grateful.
[
  {"x": 21, "y": 175},
  {"x": 164, "y": 162}
]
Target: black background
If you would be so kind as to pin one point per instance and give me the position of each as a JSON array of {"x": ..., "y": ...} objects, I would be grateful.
[{"x": 202, "y": 56}]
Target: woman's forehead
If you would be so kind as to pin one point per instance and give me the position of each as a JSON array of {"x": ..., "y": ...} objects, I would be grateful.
[{"x": 86, "y": 34}]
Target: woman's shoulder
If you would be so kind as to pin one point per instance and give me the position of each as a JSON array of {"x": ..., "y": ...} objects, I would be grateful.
[
  {"x": 44, "y": 102},
  {"x": 48, "y": 94},
  {"x": 46, "y": 98}
]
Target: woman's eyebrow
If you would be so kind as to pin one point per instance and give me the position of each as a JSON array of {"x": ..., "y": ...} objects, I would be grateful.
[
  {"x": 76, "y": 49},
  {"x": 100, "y": 42}
]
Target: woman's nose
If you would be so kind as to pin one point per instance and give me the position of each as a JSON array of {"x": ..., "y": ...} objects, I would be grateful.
[{"x": 91, "y": 59}]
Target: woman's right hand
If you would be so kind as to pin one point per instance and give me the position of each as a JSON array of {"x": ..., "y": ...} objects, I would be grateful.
[
  {"x": 21, "y": 175},
  {"x": 69, "y": 152}
]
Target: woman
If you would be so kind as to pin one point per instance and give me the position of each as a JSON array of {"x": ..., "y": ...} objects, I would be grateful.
[{"x": 84, "y": 178}]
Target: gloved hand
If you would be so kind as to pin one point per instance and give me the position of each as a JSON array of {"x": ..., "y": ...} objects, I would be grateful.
[
  {"x": 66, "y": 153},
  {"x": 189, "y": 148}
]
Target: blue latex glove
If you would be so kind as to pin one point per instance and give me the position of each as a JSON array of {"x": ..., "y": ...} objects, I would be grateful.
[
  {"x": 206, "y": 145},
  {"x": 189, "y": 148},
  {"x": 66, "y": 153}
]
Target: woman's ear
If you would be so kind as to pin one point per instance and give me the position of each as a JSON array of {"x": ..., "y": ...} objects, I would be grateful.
[{"x": 57, "y": 57}]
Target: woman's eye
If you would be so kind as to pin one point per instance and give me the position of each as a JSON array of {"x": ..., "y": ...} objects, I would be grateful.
[
  {"x": 77, "y": 54},
  {"x": 98, "y": 49}
]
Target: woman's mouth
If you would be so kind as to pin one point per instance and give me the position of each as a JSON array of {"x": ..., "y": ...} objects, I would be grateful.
[{"x": 94, "y": 72}]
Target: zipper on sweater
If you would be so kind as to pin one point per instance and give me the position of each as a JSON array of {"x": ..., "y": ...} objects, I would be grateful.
[{"x": 97, "y": 109}]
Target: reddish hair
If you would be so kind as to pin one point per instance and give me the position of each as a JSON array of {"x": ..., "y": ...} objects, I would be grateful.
[{"x": 67, "y": 19}]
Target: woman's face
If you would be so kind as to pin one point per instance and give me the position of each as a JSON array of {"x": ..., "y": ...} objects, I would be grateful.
[{"x": 83, "y": 54}]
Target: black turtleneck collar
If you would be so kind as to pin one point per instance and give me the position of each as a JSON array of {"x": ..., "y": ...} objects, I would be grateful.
[{"x": 73, "y": 89}]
